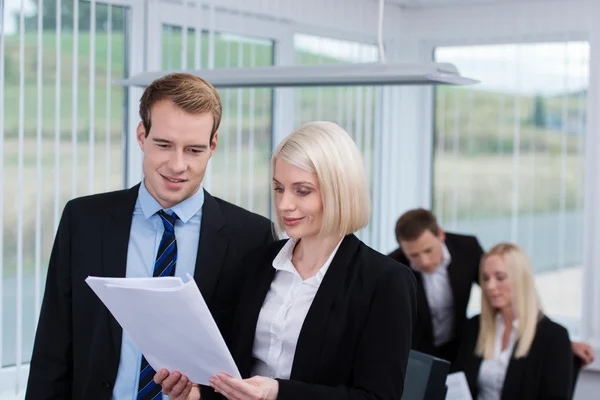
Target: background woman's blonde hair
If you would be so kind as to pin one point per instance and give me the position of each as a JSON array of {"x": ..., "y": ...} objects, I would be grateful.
[
  {"x": 525, "y": 301},
  {"x": 327, "y": 150}
]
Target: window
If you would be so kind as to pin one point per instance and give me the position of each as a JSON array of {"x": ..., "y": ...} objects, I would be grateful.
[
  {"x": 509, "y": 159},
  {"x": 69, "y": 146},
  {"x": 353, "y": 108},
  {"x": 239, "y": 169}
]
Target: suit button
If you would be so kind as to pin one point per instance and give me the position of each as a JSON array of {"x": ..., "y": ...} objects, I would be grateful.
[{"x": 106, "y": 385}]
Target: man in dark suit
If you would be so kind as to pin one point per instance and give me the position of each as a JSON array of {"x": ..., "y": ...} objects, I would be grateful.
[
  {"x": 445, "y": 265},
  {"x": 166, "y": 225}
]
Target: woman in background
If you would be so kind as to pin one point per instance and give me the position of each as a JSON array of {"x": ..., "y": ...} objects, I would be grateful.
[{"x": 512, "y": 350}]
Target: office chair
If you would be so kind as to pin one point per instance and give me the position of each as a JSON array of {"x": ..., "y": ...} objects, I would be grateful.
[{"x": 425, "y": 377}]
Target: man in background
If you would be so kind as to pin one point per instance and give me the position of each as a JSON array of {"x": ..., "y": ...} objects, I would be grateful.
[{"x": 445, "y": 265}]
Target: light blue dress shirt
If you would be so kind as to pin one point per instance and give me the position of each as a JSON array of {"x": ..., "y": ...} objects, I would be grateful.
[{"x": 146, "y": 233}]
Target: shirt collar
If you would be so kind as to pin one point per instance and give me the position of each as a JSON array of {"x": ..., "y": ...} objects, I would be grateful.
[
  {"x": 283, "y": 260},
  {"x": 184, "y": 210},
  {"x": 446, "y": 257}
]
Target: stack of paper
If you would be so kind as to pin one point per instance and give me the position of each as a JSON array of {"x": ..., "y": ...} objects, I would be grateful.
[
  {"x": 169, "y": 322},
  {"x": 458, "y": 388}
]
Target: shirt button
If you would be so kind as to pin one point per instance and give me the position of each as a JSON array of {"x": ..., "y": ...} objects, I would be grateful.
[{"x": 106, "y": 385}]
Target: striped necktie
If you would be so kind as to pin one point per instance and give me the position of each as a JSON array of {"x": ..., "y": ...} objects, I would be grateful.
[{"x": 166, "y": 260}]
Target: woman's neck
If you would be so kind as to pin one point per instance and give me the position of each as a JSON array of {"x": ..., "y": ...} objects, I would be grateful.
[
  {"x": 311, "y": 253},
  {"x": 508, "y": 316}
]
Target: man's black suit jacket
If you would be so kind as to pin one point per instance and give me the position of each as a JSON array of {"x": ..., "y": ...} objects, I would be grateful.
[
  {"x": 546, "y": 373},
  {"x": 77, "y": 345},
  {"x": 463, "y": 271},
  {"x": 355, "y": 339}
]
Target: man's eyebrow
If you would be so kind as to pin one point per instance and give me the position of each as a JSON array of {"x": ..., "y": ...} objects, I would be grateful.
[
  {"x": 159, "y": 140},
  {"x": 195, "y": 146},
  {"x": 199, "y": 146}
]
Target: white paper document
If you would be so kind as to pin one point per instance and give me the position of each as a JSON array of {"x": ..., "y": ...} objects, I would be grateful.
[
  {"x": 458, "y": 388},
  {"x": 170, "y": 323}
]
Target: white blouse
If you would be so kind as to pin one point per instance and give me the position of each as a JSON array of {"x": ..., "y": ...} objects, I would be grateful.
[
  {"x": 440, "y": 300},
  {"x": 283, "y": 313},
  {"x": 492, "y": 372}
]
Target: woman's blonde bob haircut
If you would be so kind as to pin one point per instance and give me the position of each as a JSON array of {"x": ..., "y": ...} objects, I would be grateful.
[
  {"x": 327, "y": 150},
  {"x": 525, "y": 302}
]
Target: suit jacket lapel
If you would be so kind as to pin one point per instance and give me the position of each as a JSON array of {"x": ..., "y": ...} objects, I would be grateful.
[
  {"x": 514, "y": 373},
  {"x": 212, "y": 247},
  {"x": 248, "y": 311},
  {"x": 312, "y": 334},
  {"x": 114, "y": 244},
  {"x": 471, "y": 370},
  {"x": 457, "y": 280}
]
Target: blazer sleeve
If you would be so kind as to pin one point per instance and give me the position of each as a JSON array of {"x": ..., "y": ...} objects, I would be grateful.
[
  {"x": 478, "y": 254},
  {"x": 381, "y": 356},
  {"x": 269, "y": 236},
  {"x": 557, "y": 368},
  {"x": 50, "y": 371}
]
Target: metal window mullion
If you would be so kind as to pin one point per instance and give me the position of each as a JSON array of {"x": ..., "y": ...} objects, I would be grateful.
[
  {"x": 348, "y": 122},
  {"x": 319, "y": 89},
  {"x": 92, "y": 93},
  {"x": 340, "y": 106},
  {"x": 57, "y": 114},
  {"x": 456, "y": 153},
  {"x": 251, "y": 107},
  {"x": 2, "y": 25},
  {"x": 20, "y": 182},
  {"x": 440, "y": 109},
  {"x": 207, "y": 182},
  {"x": 198, "y": 42},
  {"x": 369, "y": 141},
  {"x": 227, "y": 121},
  {"x": 238, "y": 135},
  {"x": 563, "y": 163},
  {"x": 184, "y": 37},
  {"x": 378, "y": 148},
  {"x": 514, "y": 227},
  {"x": 74, "y": 99},
  {"x": 108, "y": 94},
  {"x": 581, "y": 154},
  {"x": 39, "y": 182}
]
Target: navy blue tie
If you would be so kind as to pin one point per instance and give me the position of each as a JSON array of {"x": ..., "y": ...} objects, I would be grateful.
[{"x": 166, "y": 260}]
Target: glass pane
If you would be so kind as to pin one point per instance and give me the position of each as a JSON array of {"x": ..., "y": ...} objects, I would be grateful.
[
  {"x": 239, "y": 169},
  {"x": 77, "y": 175},
  {"x": 353, "y": 108},
  {"x": 240, "y": 166},
  {"x": 509, "y": 158}
]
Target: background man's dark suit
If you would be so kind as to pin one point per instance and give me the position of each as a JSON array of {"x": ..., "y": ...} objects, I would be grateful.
[
  {"x": 463, "y": 271},
  {"x": 77, "y": 345}
]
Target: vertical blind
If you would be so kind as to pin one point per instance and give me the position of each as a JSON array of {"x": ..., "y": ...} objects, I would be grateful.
[{"x": 60, "y": 137}]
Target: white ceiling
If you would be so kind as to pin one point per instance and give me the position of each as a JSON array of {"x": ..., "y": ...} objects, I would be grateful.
[{"x": 438, "y": 3}]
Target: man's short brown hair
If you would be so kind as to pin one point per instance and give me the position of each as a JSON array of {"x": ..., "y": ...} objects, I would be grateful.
[
  {"x": 412, "y": 224},
  {"x": 189, "y": 92}
]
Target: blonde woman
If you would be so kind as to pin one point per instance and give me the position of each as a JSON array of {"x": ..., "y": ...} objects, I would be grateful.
[
  {"x": 512, "y": 350},
  {"x": 321, "y": 315}
]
